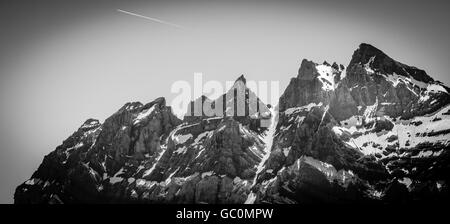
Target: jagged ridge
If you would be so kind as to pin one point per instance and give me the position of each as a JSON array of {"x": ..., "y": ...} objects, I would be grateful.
[{"x": 374, "y": 131}]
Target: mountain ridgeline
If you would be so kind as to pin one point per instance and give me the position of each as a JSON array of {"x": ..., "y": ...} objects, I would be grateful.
[{"x": 375, "y": 132}]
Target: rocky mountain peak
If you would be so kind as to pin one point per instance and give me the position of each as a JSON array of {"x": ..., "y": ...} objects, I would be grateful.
[
  {"x": 315, "y": 83},
  {"x": 365, "y": 52},
  {"x": 241, "y": 79},
  {"x": 159, "y": 102},
  {"x": 90, "y": 123},
  {"x": 375, "y": 61},
  {"x": 307, "y": 70}
]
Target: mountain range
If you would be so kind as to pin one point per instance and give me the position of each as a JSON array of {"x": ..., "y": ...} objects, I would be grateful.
[{"x": 375, "y": 132}]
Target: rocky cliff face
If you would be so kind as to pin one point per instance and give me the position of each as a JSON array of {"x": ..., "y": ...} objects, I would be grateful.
[{"x": 376, "y": 131}]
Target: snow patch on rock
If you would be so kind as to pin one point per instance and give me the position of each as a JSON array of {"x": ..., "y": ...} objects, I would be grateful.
[{"x": 143, "y": 115}]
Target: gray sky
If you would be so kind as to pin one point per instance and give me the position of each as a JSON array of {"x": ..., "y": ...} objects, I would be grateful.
[{"x": 62, "y": 62}]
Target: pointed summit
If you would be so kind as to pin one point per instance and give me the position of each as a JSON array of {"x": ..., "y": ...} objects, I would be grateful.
[
  {"x": 366, "y": 52},
  {"x": 239, "y": 85},
  {"x": 242, "y": 79},
  {"x": 377, "y": 61}
]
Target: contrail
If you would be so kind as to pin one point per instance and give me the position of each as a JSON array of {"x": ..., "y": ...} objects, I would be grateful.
[{"x": 152, "y": 19}]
